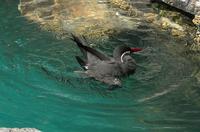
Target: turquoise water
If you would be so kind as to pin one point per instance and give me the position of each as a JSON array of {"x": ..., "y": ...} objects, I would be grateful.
[{"x": 162, "y": 96}]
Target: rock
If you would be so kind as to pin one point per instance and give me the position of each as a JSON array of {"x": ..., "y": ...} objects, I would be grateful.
[
  {"x": 19, "y": 130},
  {"x": 177, "y": 33},
  {"x": 191, "y": 6},
  {"x": 167, "y": 23},
  {"x": 150, "y": 17}
]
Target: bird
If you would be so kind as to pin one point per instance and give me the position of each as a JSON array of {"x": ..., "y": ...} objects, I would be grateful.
[{"x": 106, "y": 69}]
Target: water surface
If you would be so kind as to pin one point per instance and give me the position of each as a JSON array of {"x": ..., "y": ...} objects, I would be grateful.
[{"x": 161, "y": 96}]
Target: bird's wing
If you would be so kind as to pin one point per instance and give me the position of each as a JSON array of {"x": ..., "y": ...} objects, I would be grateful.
[{"x": 92, "y": 54}]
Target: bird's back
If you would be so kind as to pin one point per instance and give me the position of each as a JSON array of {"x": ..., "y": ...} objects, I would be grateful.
[{"x": 105, "y": 69}]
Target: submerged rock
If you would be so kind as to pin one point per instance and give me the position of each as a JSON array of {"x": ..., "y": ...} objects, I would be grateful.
[
  {"x": 91, "y": 18},
  {"x": 95, "y": 18}
]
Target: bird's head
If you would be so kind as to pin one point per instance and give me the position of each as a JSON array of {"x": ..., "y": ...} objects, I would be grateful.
[{"x": 123, "y": 50}]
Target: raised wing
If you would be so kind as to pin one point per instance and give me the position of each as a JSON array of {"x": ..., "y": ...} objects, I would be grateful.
[{"x": 92, "y": 54}]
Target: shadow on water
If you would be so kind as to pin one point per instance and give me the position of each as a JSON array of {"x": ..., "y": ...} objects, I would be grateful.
[{"x": 161, "y": 96}]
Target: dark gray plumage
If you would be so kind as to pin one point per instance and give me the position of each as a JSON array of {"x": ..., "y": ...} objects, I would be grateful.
[{"x": 103, "y": 68}]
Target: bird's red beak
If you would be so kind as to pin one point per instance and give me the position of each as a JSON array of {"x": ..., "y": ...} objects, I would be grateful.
[{"x": 136, "y": 49}]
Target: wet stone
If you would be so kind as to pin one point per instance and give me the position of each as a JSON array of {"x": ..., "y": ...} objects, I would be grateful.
[{"x": 19, "y": 130}]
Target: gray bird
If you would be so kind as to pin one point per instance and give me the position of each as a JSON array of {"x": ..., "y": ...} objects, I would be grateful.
[{"x": 104, "y": 68}]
